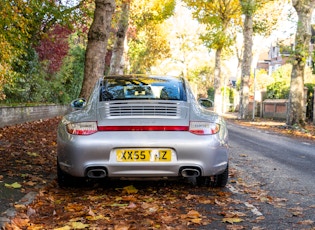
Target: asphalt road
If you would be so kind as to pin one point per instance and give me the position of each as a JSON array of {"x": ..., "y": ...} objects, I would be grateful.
[{"x": 282, "y": 170}]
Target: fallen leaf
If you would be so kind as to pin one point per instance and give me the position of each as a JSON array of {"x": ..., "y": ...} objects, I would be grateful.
[
  {"x": 280, "y": 200},
  {"x": 30, "y": 183},
  {"x": 129, "y": 198},
  {"x": 119, "y": 205},
  {"x": 32, "y": 154},
  {"x": 24, "y": 175},
  {"x": 91, "y": 213},
  {"x": 151, "y": 208},
  {"x": 79, "y": 225},
  {"x": 36, "y": 227},
  {"x": 193, "y": 214},
  {"x": 99, "y": 217},
  {"x": 206, "y": 201},
  {"x": 189, "y": 197},
  {"x": 20, "y": 222},
  {"x": 196, "y": 220},
  {"x": 306, "y": 222},
  {"x": 232, "y": 220},
  {"x": 260, "y": 218},
  {"x": 167, "y": 219},
  {"x": 298, "y": 211},
  {"x": 14, "y": 185},
  {"x": 264, "y": 199},
  {"x": 130, "y": 189},
  {"x": 219, "y": 203},
  {"x": 233, "y": 214},
  {"x": 63, "y": 228},
  {"x": 121, "y": 227},
  {"x": 235, "y": 227},
  {"x": 20, "y": 206},
  {"x": 74, "y": 207},
  {"x": 132, "y": 205}
]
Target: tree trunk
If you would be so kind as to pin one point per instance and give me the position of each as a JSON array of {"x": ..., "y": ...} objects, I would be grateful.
[
  {"x": 97, "y": 45},
  {"x": 116, "y": 64},
  {"x": 218, "y": 102},
  {"x": 246, "y": 67},
  {"x": 296, "y": 108}
]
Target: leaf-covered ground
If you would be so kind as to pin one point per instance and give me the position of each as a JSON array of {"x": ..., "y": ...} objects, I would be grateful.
[
  {"x": 27, "y": 163},
  {"x": 27, "y": 158}
]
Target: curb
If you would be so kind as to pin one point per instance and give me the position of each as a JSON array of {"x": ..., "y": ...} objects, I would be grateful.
[{"x": 11, "y": 212}]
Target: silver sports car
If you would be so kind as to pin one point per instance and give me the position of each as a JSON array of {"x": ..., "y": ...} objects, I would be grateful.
[{"x": 139, "y": 126}]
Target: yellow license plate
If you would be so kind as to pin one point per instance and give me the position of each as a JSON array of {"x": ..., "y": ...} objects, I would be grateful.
[{"x": 143, "y": 155}]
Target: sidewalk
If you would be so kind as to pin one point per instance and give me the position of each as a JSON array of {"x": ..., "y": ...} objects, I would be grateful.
[
  {"x": 276, "y": 126},
  {"x": 257, "y": 121}
]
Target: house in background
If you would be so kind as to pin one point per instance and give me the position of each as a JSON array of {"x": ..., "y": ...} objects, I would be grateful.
[
  {"x": 274, "y": 57},
  {"x": 279, "y": 54}
]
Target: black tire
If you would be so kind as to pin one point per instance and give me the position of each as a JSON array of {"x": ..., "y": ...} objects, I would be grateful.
[
  {"x": 64, "y": 179},
  {"x": 215, "y": 181}
]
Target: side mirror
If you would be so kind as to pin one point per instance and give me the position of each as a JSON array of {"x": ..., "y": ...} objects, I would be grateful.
[
  {"x": 205, "y": 103},
  {"x": 78, "y": 103}
]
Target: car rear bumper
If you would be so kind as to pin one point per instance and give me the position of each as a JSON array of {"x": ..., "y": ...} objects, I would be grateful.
[{"x": 80, "y": 155}]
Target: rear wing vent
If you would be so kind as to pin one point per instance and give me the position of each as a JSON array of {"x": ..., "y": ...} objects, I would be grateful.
[{"x": 142, "y": 109}]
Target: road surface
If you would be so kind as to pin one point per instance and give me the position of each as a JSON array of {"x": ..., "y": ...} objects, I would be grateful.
[{"x": 282, "y": 172}]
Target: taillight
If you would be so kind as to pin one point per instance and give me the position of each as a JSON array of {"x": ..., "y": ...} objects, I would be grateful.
[
  {"x": 82, "y": 128},
  {"x": 203, "y": 128}
]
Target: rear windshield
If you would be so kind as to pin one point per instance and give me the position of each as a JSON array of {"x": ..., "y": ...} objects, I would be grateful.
[{"x": 157, "y": 88}]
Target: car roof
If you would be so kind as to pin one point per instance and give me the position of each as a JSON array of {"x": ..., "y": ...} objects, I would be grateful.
[{"x": 128, "y": 76}]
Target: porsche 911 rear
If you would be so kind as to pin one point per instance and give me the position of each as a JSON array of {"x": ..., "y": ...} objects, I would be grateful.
[{"x": 143, "y": 126}]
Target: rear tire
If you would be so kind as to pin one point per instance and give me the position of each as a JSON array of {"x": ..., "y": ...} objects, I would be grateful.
[
  {"x": 215, "y": 181},
  {"x": 64, "y": 179}
]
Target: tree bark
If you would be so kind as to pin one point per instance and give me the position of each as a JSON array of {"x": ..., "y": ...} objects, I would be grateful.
[
  {"x": 116, "y": 64},
  {"x": 97, "y": 45},
  {"x": 218, "y": 102},
  {"x": 296, "y": 107},
  {"x": 246, "y": 67}
]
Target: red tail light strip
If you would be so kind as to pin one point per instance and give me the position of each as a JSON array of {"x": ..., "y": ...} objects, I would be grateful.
[{"x": 143, "y": 128}]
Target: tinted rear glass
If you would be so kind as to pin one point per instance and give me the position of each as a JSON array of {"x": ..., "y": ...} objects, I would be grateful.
[{"x": 157, "y": 88}]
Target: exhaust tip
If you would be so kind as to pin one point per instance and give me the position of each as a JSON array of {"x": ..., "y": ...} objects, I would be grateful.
[
  {"x": 96, "y": 173},
  {"x": 190, "y": 172}
]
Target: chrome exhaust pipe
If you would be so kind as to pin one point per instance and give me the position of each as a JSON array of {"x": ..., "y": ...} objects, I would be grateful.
[
  {"x": 190, "y": 172},
  {"x": 96, "y": 173}
]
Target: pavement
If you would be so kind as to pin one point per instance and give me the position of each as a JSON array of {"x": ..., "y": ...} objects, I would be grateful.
[{"x": 11, "y": 212}]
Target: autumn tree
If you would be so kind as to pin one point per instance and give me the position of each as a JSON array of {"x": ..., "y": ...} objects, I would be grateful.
[
  {"x": 248, "y": 9},
  {"x": 97, "y": 44},
  {"x": 147, "y": 39},
  {"x": 14, "y": 35},
  {"x": 255, "y": 22},
  {"x": 23, "y": 24},
  {"x": 296, "y": 111},
  {"x": 189, "y": 57},
  {"x": 219, "y": 17},
  {"x": 54, "y": 47},
  {"x": 116, "y": 65}
]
